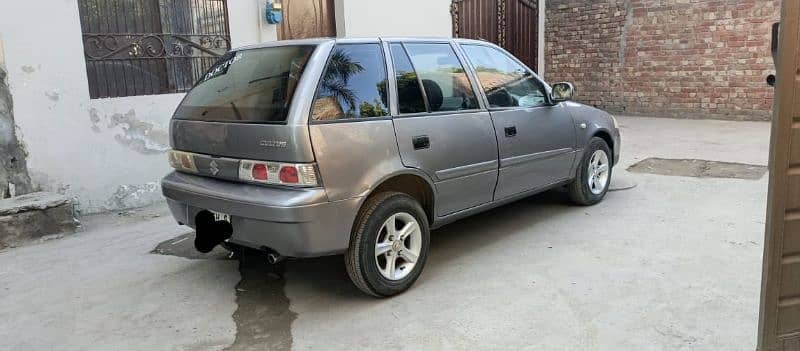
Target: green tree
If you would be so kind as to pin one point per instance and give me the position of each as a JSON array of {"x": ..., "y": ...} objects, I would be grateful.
[{"x": 375, "y": 109}]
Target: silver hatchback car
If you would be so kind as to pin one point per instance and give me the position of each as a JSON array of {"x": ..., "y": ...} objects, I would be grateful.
[{"x": 362, "y": 146}]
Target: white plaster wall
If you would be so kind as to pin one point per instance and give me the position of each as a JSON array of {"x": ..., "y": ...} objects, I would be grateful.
[
  {"x": 368, "y": 18},
  {"x": 2, "y": 52},
  {"x": 107, "y": 153},
  {"x": 247, "y": 23}
]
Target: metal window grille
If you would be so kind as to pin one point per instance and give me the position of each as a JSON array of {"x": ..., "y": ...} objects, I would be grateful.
[{"x": 145, "y": 47}]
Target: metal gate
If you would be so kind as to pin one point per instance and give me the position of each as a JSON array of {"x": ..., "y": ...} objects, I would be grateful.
[
  {"x": 142, "y": 47},
  {"x": 511, "y": 24}
]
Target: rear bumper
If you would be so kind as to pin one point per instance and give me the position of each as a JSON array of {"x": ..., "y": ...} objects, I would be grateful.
[{"x": 293, "y": 222}]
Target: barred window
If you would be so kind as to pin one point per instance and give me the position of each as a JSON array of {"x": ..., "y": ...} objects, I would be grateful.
[{"x": 145, "y": 47}]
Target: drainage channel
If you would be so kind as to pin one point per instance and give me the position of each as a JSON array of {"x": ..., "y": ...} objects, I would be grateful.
[{"x": 698, "y": 168}]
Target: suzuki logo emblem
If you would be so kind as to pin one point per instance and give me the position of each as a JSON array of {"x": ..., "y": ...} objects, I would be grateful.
[{"x": 213, "y": 167}]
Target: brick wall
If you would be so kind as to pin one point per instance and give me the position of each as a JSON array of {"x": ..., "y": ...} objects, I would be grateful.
[{"x": 669, "y": 58}]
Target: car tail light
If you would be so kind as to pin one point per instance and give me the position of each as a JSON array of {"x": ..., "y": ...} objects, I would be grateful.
[
  {"x": 182, "y": 161},
  {"x": 260, "y": 172},
  {"x": 304, "y": 174},
  {"x": 289, "y": 175}
]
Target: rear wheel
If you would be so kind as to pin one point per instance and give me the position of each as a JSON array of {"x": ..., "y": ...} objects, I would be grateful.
[
  {"x": 594, "y": 174},
  {"x": 389, "y": 244}
]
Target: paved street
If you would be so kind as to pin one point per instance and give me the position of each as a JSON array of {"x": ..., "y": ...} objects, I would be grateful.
[{"x": 674, "y": 263}]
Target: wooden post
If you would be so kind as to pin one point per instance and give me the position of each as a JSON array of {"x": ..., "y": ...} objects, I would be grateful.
[{"x": 779, "y": 315}]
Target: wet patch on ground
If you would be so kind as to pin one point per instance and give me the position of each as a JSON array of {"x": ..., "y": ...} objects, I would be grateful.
[
  {"x": 183, "y": 246},
  {"x": 263, "y": 318},
  {"x": 698, "y": 168}
]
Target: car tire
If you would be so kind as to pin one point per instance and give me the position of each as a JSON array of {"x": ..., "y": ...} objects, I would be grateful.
[
  {"x": 593, "y": 175},
  {"x": 368, "y": 265}
]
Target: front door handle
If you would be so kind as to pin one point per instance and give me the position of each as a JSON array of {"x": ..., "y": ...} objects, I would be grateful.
[
  {"x": 421, "y": 142},
  {"x": 511, "y": 131}
]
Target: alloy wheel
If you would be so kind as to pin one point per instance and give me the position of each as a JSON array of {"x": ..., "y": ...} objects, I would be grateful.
[
  {"x": 598, "y": 172},
  {"x": 398, "y": 246}
]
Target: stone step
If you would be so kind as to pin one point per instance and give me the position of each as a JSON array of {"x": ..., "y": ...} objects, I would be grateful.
[{"x": 34, "y": 216}]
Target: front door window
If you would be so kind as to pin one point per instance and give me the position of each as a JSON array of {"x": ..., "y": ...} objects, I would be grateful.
[{"x": 505, "y": 82}]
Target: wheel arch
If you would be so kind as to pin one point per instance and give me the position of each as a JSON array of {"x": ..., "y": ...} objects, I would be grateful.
[
  {"x": 606, "y": 136},
  {"x": 412, "y": 183}
]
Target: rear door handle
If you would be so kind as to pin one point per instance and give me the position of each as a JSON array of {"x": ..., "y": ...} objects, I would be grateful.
[
  {"x": 511, "y": 131},
  {"x": 421, "y": 142}
]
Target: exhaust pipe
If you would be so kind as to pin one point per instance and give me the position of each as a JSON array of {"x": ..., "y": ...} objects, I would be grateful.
[
  {"x": 209, "y": 232},
  {"x": 274, "y": 257}
]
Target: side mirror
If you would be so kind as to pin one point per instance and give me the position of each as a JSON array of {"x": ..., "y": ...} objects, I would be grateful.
[{"x": 562, "y": 91}]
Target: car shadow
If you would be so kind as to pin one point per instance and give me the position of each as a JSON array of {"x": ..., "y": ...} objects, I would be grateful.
[
  {"x": 328, "y": 275},
  {"x": 452, "y": 242},
  {"x": 263, "y": 316}
]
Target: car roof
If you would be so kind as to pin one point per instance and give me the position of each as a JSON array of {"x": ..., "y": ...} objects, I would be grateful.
[{"x": 318, "y": 41}]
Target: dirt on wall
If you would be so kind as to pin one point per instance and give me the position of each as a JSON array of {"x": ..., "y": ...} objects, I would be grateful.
[
  {"x": 13, "y": 166},
  {"x": 665, "y": 58}
]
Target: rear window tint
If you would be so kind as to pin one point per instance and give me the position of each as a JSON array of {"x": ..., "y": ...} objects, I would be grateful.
[
  {"x": 353, "y": 85},
  {"x": 409, "y": 94},
  {"x": 254, "y": 85},
  {"x": 444, "y": 79}
]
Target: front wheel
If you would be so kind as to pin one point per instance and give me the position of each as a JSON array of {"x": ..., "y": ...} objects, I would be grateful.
[
  {"x": 594, "y": 174},
  {"x": 389, "y": 244}
]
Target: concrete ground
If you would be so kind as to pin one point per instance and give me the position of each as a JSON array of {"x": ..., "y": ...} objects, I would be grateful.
[{"x": 674, "y": 263}]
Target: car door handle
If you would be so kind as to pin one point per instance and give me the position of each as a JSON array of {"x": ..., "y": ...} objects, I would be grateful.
[
  {"x": 421, "y": 142},
  {"x": 511, "y": 131}
]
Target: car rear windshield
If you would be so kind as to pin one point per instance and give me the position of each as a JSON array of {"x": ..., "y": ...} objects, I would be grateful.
[{"x": 247, "y": 86}]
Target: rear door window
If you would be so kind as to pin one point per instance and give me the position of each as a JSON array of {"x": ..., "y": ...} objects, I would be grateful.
[
  {"x": 409, "y": 93},
  {"x": 505, "y": 82},
  {"x": 255, "y": 85},
  {"x": 446, "y": 85},
  {"x": 354, "y": 84}
]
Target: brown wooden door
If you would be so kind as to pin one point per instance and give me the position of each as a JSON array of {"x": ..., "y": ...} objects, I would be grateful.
[
  {"x": 307, "y": 19},
  {"x": 511, "y": 24},
  {"x": 779, "y": 317}
]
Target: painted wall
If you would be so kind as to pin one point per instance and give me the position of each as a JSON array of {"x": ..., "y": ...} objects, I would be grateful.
[
  {"x": 247, "y": 24},
  {"x": 108, "y": 153},
  {"x": 14, "y": 179},
  {"x": 367, "y": 18}
]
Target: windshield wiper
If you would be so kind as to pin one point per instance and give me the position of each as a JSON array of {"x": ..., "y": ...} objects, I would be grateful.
[{"x": 280, "y": 75}]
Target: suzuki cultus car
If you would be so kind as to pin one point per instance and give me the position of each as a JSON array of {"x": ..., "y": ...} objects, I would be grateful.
[{"x": 362, "y": 146}]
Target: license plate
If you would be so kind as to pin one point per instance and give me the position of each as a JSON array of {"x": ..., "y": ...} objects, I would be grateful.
[{"x": 222, "y": 217}]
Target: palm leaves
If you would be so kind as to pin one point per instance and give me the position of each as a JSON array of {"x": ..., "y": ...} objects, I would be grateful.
[{"x": 340, "y": 68}]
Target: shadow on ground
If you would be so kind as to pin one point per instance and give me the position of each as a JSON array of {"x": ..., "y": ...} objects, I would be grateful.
[{"x": 263, "y": 318}]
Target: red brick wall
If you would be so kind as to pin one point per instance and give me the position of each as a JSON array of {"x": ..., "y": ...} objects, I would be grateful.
[{"x": 669, "y": 58}]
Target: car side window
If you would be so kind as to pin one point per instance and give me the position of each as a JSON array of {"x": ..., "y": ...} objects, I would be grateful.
[
  {"x": 409, "y": 94},
  {"x": 446, "y": 85},
  {"x": 505, "y": 82},
  {"x": 353, "y": 85}
]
